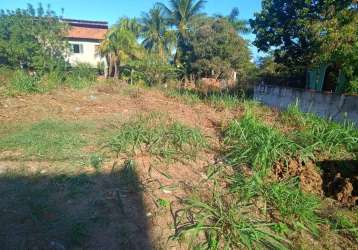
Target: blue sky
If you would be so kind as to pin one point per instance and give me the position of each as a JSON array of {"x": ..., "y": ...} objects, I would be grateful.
[{"x": 111, "y": 10}]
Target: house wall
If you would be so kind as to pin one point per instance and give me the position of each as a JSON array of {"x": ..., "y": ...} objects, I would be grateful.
[
  {"x": 336, "y": 107},
  {"x": 88, "y": 54}
]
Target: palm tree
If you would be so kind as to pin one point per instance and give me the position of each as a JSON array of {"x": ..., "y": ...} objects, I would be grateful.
[
  {"x": 157, "y": 38},
  {"x": 131, "y": 24},
  {"x": 181, "y": 13},
  {"x": 241, "y": 26},
  {"x": 119, "y": 46}
]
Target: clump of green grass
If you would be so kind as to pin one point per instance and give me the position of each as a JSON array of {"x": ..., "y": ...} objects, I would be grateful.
[
  {"x": 223, "y": 100},
  {"x": 78, "y": 234},
  {"x": 164, "y": 139},
  {"x": 49, "y": 140},
  {"x": 96, "y": 161},
  {"x": 189, "y": 97},
  {"x": 250, "y": 142},
  {"x": 21, "y": 82},
  {"x": 218, "y": 100},
  {"x": 322, "y": 135},
  {"x": 344, "y": 225},
  {"x": 225, "y": 223},
  {"x": 128, "y": 176},
  {"x": 295, "y": 207}
]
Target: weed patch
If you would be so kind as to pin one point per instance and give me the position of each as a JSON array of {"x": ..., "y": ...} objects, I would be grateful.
[
  {"x": 250, "y": 142},
  {"x": 293, "y": 205},
  {"x": 224, "y": 222},
  {"x": 320, "y": 135},
  {"x": 168, "y": 140}
]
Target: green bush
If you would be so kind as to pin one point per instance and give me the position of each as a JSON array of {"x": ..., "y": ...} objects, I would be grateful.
[{"x": 152, "y": 70}]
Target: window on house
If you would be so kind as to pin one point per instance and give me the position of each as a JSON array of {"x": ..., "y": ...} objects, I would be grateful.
[{"x": 77, "y": 48}]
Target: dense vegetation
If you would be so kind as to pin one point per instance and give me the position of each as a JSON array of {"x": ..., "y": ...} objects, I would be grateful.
[
  {"x": 176, "y": 41},
  {"x": 303, "y": 34}
]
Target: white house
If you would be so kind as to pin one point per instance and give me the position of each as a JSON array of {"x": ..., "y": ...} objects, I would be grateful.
[{"x": 84, "y": 38}]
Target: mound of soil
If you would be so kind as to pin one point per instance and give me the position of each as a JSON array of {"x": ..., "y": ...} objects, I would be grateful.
[
  {"x": 310, "y": 179},
  {"x": 340, "y": 181}
]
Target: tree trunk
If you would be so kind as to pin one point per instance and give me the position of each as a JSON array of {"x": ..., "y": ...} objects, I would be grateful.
[{"x": 116, "y": 72}]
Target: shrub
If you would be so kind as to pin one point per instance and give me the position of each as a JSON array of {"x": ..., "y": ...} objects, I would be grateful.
[{"x": 152, "y": 70}]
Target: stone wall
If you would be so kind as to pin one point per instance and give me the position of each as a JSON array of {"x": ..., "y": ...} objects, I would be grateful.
[{"x": 336, "y": 107}]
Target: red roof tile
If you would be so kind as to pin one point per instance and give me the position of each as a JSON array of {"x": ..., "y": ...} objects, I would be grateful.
[{"x": 94, "y": 33}]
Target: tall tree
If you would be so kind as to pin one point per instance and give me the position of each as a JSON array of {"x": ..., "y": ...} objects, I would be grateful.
[
  {"x": 240, "y": 25},
  {"x": 119, "y": 46},
  {"x": 302, "y": 33},
  {"x": 181, "y": 13},
  {"x": 157, "y": 38},
  {"x": 218, "y": 51}
]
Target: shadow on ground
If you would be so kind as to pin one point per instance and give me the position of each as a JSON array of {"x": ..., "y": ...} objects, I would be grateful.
[{"x": 87, "y": 211}]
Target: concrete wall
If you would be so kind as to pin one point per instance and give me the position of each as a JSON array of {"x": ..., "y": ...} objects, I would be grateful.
[
  {"x": 88, "y": 55},
  {"x": 331, "y": 106}
]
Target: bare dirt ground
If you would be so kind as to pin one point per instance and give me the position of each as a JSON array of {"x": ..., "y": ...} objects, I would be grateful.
[
  {"x": 102, "y": 215},
  {"x": 54, "y": 204}
]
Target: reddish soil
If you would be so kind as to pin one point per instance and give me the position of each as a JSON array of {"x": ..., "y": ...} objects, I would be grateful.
[
  {"x": 142, "y": 215},
  {"x": 338, "y": 180}
]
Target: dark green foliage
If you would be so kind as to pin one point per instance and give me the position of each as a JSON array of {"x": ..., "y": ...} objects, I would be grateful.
[
  {"x": 157, "y": 38},
  {"x": 152, "y": 69},
  {"x": 32, "y": 39},
  {"x": 217, "y": 50},
  {"x": 306, "y": 33},
  {"x": 128, "y": 176}
]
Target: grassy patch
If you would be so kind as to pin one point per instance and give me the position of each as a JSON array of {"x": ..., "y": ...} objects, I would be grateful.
[
  {"x": 47, "y": 140},
  {"x": 250, "y": 142},
  {"x": 224, "y": 222},
  {"x": 218, "y": 100},
  {"x": 345, "y": 225},
  {"x": 165, "y": 139},
  {"x": 295, "y": 207},
  {"x": 321, "y": 135}
]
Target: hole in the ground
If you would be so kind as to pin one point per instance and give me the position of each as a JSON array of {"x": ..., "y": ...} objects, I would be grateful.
[{"x": 340, "y": 180}]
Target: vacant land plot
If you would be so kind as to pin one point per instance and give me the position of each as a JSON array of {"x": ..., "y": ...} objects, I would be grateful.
[{"x": 123, "y": 167}]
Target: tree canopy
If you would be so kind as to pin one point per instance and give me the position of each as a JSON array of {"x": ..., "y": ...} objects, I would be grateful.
[
  {"x": 32, "y": 38},
  {"x": 217, "y": 50},
  {"x": 305, "y": 33}
]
